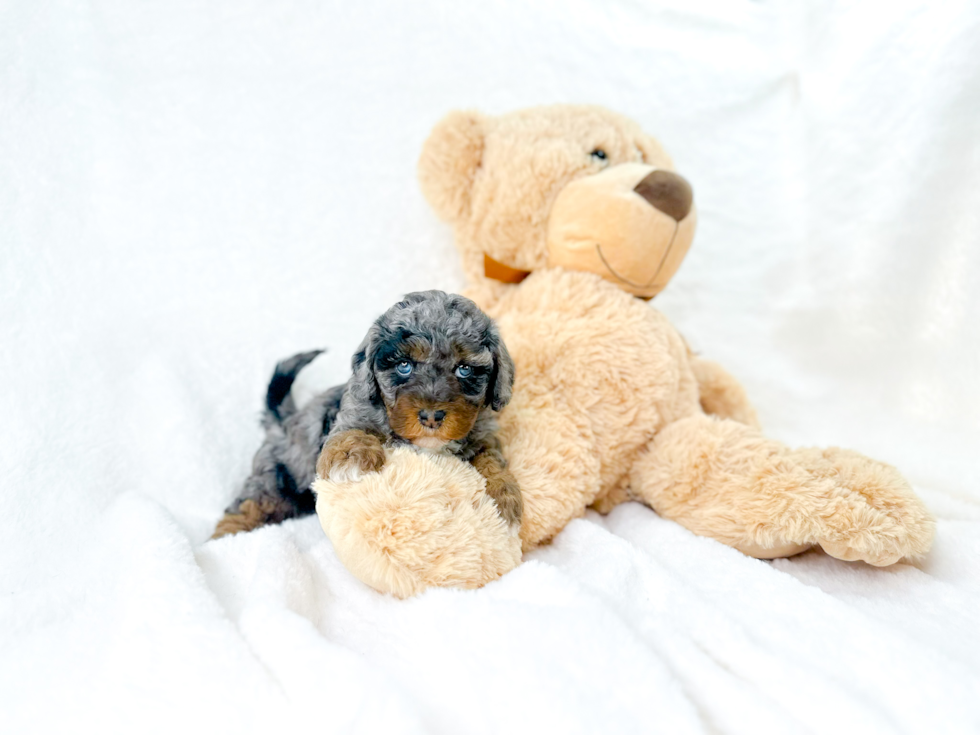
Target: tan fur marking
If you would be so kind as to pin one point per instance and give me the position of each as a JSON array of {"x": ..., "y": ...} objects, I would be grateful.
[
  {"x": 468, "y": 357},
  {"x": 501, "y": 486},
  {"x": 251, "y": 515},
  {"x": 356, "y": 447},
  {"x": 460, "y": 417},
  {"x": 418, "y": 349}
]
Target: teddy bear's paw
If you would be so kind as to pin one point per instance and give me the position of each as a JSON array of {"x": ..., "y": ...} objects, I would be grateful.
[
  {"x": 873, "y": 515},
  {"x": 422, "y": 520},
  {"x": 876, "y": 548}
]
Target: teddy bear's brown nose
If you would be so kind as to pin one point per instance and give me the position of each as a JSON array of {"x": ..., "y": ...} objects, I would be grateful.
[{"x": 668, "y": 192}]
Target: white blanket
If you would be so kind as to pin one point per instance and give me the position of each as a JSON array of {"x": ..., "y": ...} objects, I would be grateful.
[{"x": 190, "y": 191}]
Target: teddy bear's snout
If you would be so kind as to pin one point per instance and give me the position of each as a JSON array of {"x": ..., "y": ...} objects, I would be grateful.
[{"x": 667, "y": 192}]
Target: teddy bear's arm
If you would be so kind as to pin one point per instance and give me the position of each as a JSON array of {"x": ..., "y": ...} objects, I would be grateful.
[
  {"x": 424, "y": 520},
  {"x": 721, "y": 394}
]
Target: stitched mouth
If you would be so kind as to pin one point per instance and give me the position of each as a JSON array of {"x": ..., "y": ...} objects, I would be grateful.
[{"x": 653, "y": 278}]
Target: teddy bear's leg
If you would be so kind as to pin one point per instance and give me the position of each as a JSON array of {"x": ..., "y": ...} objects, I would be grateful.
[
  {"x": 720, "y": 394},
  {"x": 723, "y": 479}
]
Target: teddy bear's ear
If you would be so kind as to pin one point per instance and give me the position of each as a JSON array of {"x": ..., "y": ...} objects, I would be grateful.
[{"x": 450, "y": 159}]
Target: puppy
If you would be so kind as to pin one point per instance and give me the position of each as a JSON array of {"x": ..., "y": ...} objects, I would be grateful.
[{"x": 431, "y": 372}]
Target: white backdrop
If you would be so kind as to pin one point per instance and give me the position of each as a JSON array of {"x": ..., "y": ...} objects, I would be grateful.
[{"x": 191, "y": 191}]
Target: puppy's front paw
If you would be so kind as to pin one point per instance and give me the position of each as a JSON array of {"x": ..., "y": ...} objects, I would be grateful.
[
  {"x": 350, "y": 454},
  {"x": 502, "y": 487},
  {"x": 507, "y": 495}
]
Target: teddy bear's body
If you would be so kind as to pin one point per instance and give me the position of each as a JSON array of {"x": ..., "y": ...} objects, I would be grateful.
[
  {"x": 599, "y": 373},
  {"x": 609, "y": 404},
  {"x": 607, "y": 407}
]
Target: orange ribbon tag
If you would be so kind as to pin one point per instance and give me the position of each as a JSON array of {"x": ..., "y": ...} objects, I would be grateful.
[{"x": 499, "y": 272}]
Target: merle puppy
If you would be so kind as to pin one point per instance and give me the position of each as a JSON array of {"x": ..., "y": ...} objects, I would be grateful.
[{"x": 431, "y": 372}]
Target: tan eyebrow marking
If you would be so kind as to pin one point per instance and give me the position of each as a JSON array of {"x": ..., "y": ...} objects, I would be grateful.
[
  {"x": 417, "y": 348},
  {"x": 483, "y": 358}
]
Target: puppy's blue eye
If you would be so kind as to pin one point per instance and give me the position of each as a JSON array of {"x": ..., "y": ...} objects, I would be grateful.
[
  {"x": 404, "y": 368},
  {"x": 599, "y": 154},
  {"x": 464, "y": 371}
]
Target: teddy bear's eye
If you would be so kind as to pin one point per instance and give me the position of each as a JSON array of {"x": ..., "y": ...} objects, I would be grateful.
[{"x": 599, "y": 154}]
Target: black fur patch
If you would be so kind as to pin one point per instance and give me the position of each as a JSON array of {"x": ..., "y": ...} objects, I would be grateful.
[
  {"x": 473, "y": 385},
  {"x": 304, "y": 502},
  {"x": 390, "y": 350},
  {"x": 283, "y": 378},
  {"x": 331, "y": 409}
]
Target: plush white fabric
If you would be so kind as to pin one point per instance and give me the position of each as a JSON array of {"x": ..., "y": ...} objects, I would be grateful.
[{"x": 190, "y": 191}]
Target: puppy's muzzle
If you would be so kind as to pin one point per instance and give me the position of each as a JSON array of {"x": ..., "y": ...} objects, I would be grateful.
[
  {"x": 431, "y": 419},
  {"x": 668, "y": 192}
]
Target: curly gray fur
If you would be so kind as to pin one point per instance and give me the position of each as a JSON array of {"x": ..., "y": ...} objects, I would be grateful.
[{"x": 446, "y": 326}]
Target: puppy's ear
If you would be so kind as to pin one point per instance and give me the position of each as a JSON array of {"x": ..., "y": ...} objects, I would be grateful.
[
  {"x": 450, "y": 159},
  {"x": 502, "y": 377},
  {"x": 363, "y": 385}
]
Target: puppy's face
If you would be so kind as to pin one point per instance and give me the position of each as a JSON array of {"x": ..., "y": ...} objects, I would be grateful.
[
  {"x": 433, "y": 385},
  {"x": 437, "y": 362}
]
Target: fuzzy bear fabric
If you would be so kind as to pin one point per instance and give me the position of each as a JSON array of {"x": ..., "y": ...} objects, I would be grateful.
[{"x": 189, "y": 192}]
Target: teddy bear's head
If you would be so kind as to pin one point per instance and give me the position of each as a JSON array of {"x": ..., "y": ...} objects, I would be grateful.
[{"x": 574, "y": 186}]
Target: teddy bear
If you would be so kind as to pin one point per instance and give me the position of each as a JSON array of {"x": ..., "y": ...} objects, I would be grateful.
[{"x": 568, "y": 220}]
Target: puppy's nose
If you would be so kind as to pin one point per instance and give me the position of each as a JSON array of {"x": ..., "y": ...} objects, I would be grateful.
[
  {"x": 668, "y": 192},
  {"x": 432, "y": 419}
]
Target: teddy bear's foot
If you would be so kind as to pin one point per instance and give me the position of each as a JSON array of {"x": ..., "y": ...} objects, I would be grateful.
[
  {"x": 872, "y": 515},
  {"x": 720, "y": 394}
]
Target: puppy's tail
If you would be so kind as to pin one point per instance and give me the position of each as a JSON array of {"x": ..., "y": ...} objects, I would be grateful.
[{"x": 278, "y": 400}]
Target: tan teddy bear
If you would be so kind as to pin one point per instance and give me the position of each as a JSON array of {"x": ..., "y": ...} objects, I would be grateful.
[{"x": 609, "y": 404}]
